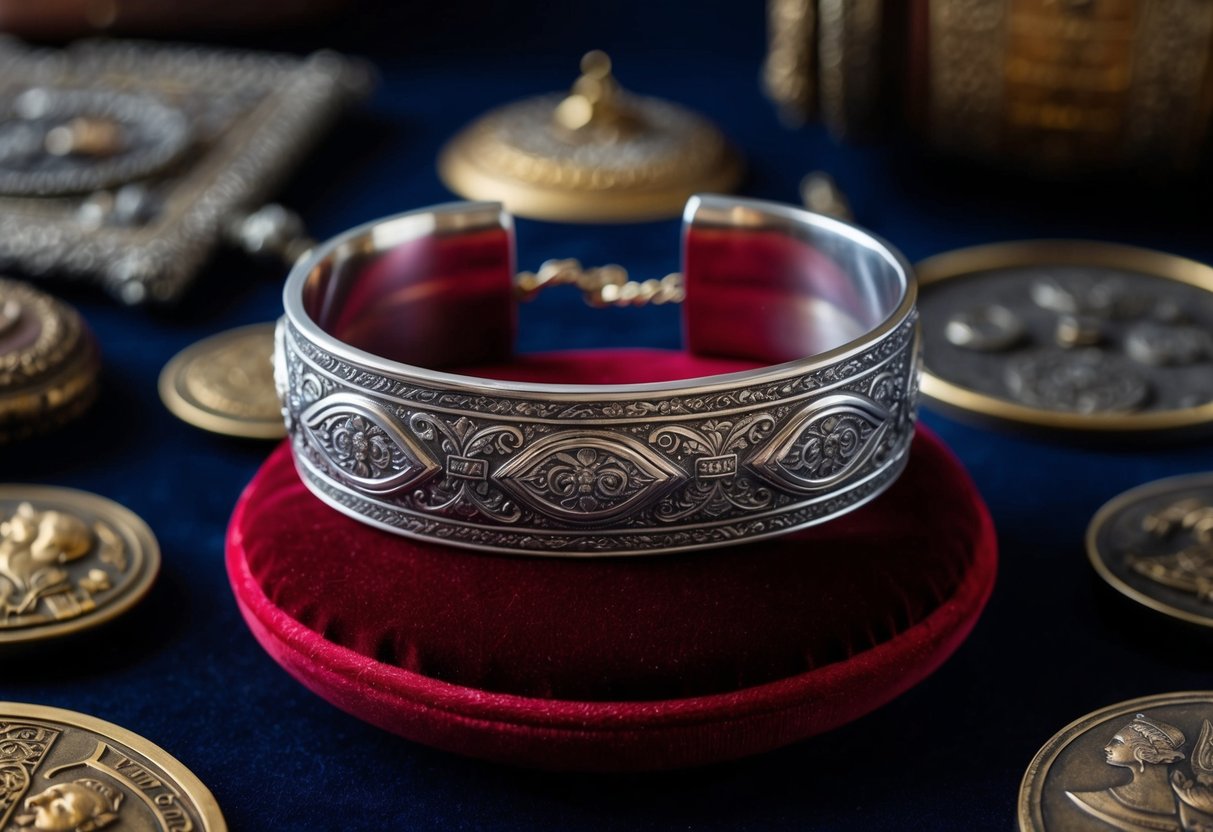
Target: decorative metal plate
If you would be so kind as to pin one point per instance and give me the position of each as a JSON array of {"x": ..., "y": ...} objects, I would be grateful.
[
  {"x": 125, "y": 162},
  {"x": 1069, "y": 336}
]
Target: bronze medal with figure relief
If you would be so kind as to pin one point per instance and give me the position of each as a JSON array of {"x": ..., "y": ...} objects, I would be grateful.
[
  {"x": 69, "y": 561},
  {"x": 62, "y": 771},
  {"x": 225, "y": 384},
  {"x": 1145, "y": 765},
  {"x": 1154, "y": 544}
]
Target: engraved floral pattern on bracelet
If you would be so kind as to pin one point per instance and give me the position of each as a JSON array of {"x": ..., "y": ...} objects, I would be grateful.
[
  {"x": 605, "y": 541},
  {"x": 588, "y": 475},
  {"x": 528, "y": 473},
  {"x": 893, "y": 347},
  {"x": 360, "y": 441},
  {"x": 824, "y": 443}
]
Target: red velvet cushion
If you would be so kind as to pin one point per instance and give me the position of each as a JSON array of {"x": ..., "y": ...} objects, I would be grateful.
[{"x": 616, "y": 663}]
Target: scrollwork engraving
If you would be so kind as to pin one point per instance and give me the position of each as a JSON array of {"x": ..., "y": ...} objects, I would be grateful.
[
  {"x": 824, "y": 443},
  {"x": 588, "y": 475},
  {"x": 666, "y": 470},
  {"x": 359, "y": 440},
  {"x": 465, "y": 489},
  {"x": 714, "y": 447},
  {"x": 22, "y": 748}
]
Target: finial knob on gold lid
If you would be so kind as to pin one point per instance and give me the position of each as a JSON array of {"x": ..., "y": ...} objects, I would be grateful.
[
  {"x": 598, "y": 153},
  {"x": 596, "y": 105}
]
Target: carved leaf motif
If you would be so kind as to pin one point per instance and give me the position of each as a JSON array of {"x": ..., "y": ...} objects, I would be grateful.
[
  {"x": 364, "y": 446},
  {"x": 587, "y": 476},
  {"x": 824, "y": 443},
  {"x": 22, "y": 748}
]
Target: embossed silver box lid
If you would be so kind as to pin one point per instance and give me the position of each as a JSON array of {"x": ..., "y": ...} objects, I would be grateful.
[{"x": 128, "y": 163}]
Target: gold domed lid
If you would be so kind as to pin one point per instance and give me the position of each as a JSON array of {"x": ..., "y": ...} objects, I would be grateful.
[
  {"x": 598, "y": 154},
  {"x": 48, "y": 361}
]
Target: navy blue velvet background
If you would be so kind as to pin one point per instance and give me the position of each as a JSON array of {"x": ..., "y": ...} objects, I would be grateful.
[{"x": 183, "y": 671}]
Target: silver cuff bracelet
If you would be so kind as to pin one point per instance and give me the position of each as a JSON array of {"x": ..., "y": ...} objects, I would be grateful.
[{"x": 383, "y": 431}]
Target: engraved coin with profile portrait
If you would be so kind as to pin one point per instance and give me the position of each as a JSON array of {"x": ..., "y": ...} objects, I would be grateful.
[
  {"x": 1154, "y": 544},
  {"x": 1145, "y": 765},
  {"x": 69, "y": 772},
  {"x": 225, "y": 384},
  {"x": 69, "y": 561}
]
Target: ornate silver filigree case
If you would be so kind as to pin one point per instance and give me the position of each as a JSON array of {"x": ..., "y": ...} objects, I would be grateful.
[{"x": 128, "y": 163}]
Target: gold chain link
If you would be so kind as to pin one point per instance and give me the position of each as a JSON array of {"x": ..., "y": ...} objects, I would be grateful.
[{"x": 600, "y": 285}]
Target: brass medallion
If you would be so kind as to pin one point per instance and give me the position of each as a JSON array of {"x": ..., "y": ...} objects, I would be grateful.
[
  {"x": 1145, "y": 765},
  {"x": 62, "y": 771},
  {"x": 1069, "y": 336},
  {"x": 48, "y": 362},
  {"x": 69, "y": 561},
  {"x": 1154, "y": 544},
  {"x": 597, "y": 154},
  {"x": 225, "y": 384}
]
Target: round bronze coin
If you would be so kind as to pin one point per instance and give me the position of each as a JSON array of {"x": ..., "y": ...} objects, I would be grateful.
[
  {"x": 69, "y": 561},
  {"x": 1154, "y": 544},
  {"x": 48, "y": 362},
  {"x": 225, "y": 384},
  {"x": 1066, "y": 336},
  {"x": 66, "y": 771},
  {"x": 1145, "y": 765}
]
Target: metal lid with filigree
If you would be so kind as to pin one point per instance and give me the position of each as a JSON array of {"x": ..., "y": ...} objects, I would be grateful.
[
  {"x": 597, "y": 154},
  {"x": 48, "y": 362}
]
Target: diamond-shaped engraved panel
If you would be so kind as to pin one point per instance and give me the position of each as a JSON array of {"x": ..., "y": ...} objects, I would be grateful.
[
  {"x": 364, "y": 446},
  {"x": 588, "y": 476},
  {"x": 824, "y": 443}
]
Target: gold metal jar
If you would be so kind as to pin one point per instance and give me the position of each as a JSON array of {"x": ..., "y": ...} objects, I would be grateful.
[{"x": 1048, "y": 85}]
